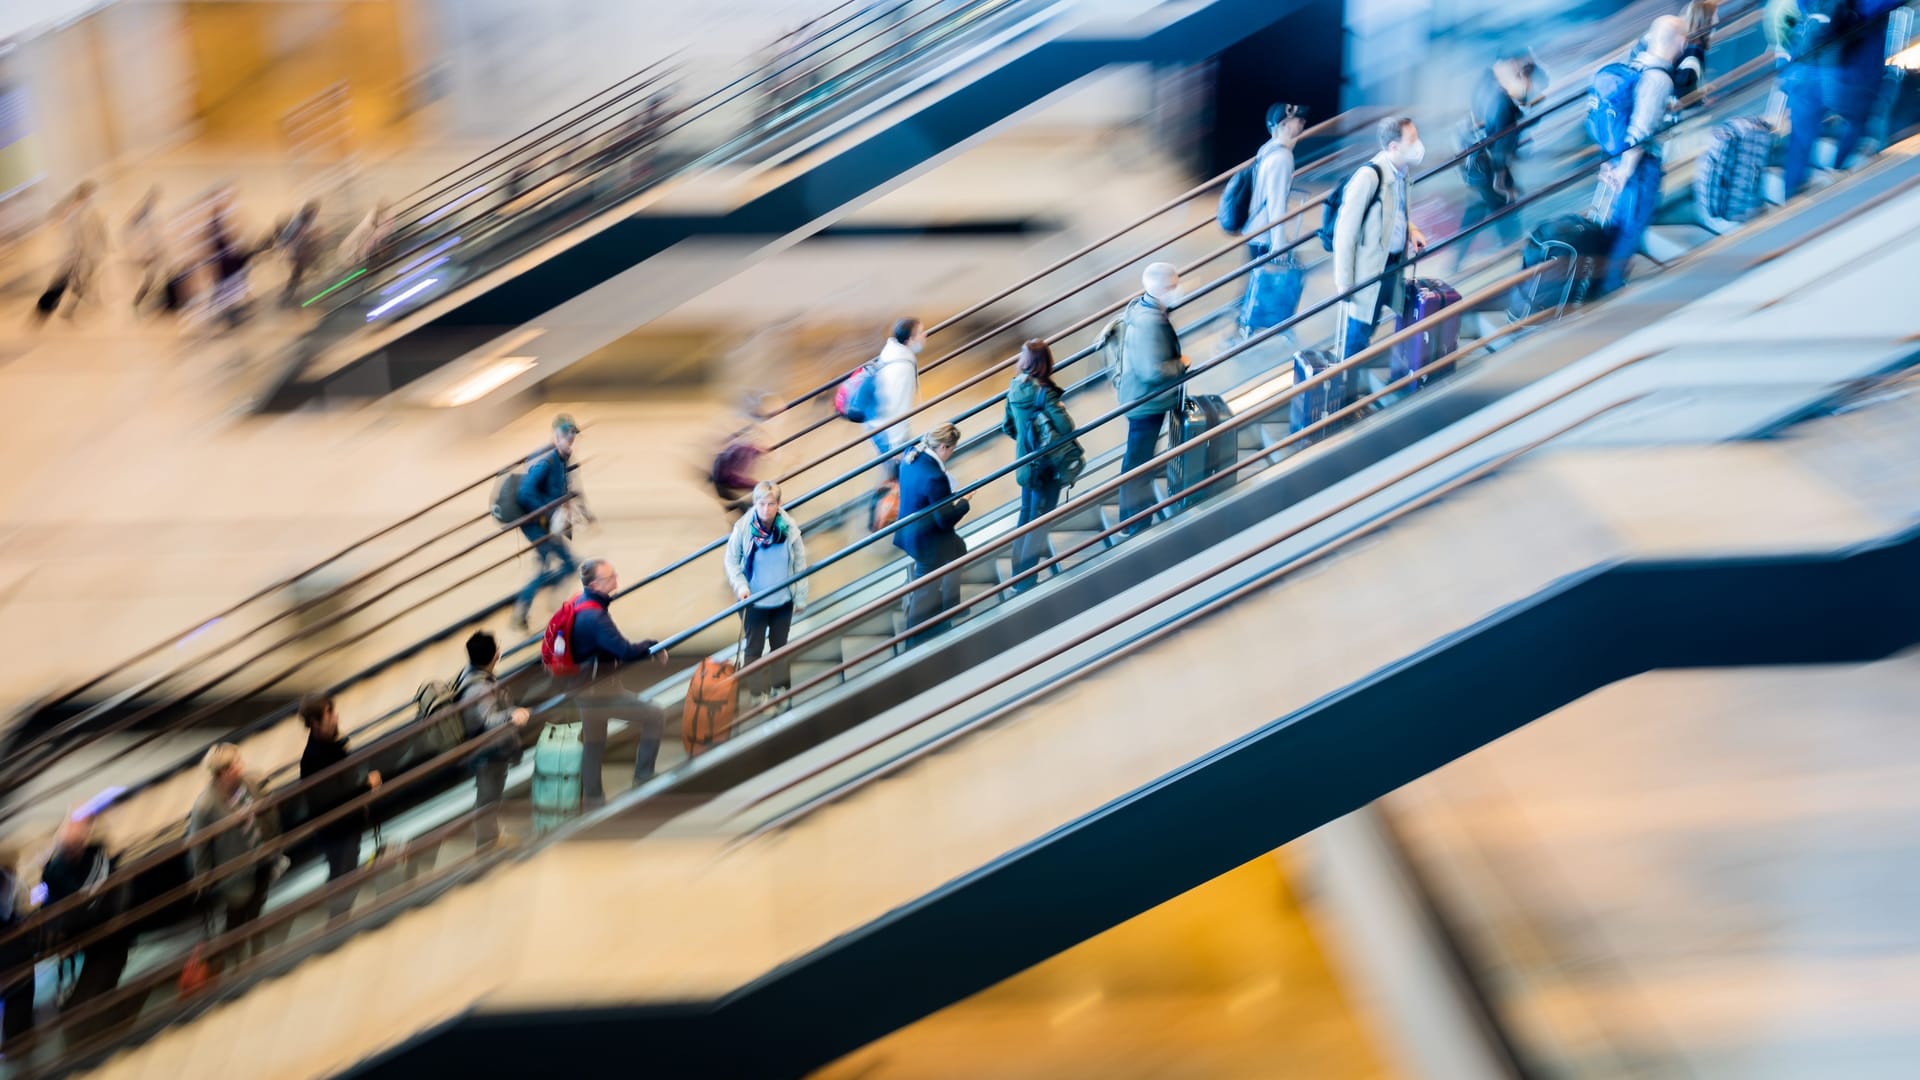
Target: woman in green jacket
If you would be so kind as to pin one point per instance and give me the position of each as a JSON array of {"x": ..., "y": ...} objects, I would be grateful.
[{"x": 1036, "y": 419}]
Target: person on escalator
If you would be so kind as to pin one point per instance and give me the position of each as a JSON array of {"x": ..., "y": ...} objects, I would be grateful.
[
  {"x": 484, "y": 710},
  {"x": 932, "y": 540},
  {"x": 1273, "y": 288},
  {"x": 16, "y": 999},
  {"x": 1836, "y": 53},
  {"x": 1629, "y": 189},
  {"x": 1505, "y": 89},
  {"x": 545, "y": 484},
  {"x": 764, "y": 560},
  {"x": 1372, "y": 234},
  {"x": 79, "y": 866},
  {"x": 599, "y": 651},
  {"x": 1038, "y": 420},
  {"x": 1145, "y": 365},
  {"x": 896, "y": 376},
  {"x": 340, "y": 839},
  {"x": 231, "y": 793}
]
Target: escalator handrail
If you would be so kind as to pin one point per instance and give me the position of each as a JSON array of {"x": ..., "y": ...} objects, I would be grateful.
[
  {"x": 1090, "y": 499},
  {"x": 592, "y": 120},
  {"x": 262, "y": 593},
  {"x": 682, "y": 637},
  {"x": 11, "y": 774},
  {"x": 733, "y": 609},
  {"x": 674, "y": 123},
  {"x": 1729, "y": 21}
]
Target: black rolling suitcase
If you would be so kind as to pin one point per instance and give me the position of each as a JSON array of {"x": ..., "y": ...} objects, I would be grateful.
[
  {"x": 1309, "y": 406},
  {"x": 1577, "y": 249},
  {"x": 1196, "y": 416}
]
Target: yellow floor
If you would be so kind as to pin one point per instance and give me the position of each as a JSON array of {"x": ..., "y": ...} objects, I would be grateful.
[{"x": 1223, "y": 981}]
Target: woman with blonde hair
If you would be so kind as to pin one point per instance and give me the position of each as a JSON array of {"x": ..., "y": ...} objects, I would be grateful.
[
  {"x": 764, "y": 561},
  {"x": 932, "y": 538}
]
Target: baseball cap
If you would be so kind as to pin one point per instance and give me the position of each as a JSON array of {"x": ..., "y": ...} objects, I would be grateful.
[
  {"x": 564, "y": 425},
  {"x": 1280, "y": 111}
]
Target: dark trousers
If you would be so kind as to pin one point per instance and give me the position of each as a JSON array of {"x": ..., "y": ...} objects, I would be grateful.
[
  {"x": 343, "y": 858},
  {"x": 766, "y": 629},
  {"x": 490, "y": 789},
  {"x": 16, "y": 1003},
  {"x": 1136, "y": 494},
  {"x": 246, "y": 910},
  {"x": 1812, "y": 95},
  {"x": 937, "y": 592},
  {"x": 1036, "y": 500},
  {"x": 552, "y": 564},
  {"x": 1490, "y": 200},
  {"x": 1359, "y": 332},
  {"x": 603, "y": 704},
  {"x": 101, "y": 965}
]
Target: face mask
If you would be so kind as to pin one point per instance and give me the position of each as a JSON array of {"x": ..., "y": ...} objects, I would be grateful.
[{"x": 1413, "y": 153}]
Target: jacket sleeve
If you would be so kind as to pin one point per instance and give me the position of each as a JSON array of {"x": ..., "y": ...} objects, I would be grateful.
[
  {"x": 483, "y": 707},
  {"x": 605, "y": 639},
  {"x": 796, "y": 564},
  {"x": 199, "y": 856},
  {"x": 1650, "y": 99},
  {"x": 948, "y": 511},
  {"x": 545, "y": 482},
  {"x": 1355, "y": 202},
  {"x": 735, "y": 559}
]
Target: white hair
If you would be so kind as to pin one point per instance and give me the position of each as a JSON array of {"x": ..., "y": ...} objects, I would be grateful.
[{"x": 1160, "y": 279}]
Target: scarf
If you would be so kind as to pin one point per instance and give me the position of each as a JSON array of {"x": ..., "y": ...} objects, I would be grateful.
[{"x": 760, "y": 537}]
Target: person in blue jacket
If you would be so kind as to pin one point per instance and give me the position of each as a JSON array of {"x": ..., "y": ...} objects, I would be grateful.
[
  {"x": 931, "y": 540},
  {"x": 543, "y": 486},
  {"x": 1842, "y": 77},
  {"x": 599, "y": 647}
]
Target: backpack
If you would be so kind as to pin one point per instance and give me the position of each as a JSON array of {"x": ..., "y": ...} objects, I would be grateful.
[
  {"x": 1610, "y": 105},
  {"x": 1236, "y": 200},
  {"x": 554, "y": 654},
  {"x": 858, "y": 397},
  {"x": 1330, "y": 214},
  {"x": 1113, "y": 347},
  {"x": 1726, "y": 185},
  {"x": 506, "y": 499},
  {"x": 436, "y": 699}
]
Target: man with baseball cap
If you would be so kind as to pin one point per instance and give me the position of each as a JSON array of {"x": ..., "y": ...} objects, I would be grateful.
[
  {"x": 1273, "y": 289},
  {"x": 545, "y": 485},
  {"x": 1512, "y": 82}
]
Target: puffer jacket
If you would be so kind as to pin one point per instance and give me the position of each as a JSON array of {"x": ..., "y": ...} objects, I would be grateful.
[{"x": 1150, "y": 355}]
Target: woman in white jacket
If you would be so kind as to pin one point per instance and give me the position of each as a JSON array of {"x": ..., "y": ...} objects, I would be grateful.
[
  {"x": 764, "y": 555},
  {"x": 897, "y": 389}
]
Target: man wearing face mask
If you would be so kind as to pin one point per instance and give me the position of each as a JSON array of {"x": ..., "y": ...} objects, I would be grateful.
[
  {"x": 1512, "y": 82},
  {"x": 1372, "y": 234},
  {"x": 1630, "y": 183}
]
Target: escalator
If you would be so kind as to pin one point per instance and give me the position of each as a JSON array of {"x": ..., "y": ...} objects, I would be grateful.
[
  {"x": 983, "y": 63},
  {"x": 1283, "y": 486},
  {"x": 1442, "y": 598}
]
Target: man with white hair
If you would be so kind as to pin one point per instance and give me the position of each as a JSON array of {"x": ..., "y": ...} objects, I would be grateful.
[
  {"x": 1146, "y": 377},
  {"x": 1630, "y": 183}
]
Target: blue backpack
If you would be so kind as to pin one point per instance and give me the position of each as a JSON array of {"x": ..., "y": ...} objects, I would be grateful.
[{"x": 1610, "y": 106}]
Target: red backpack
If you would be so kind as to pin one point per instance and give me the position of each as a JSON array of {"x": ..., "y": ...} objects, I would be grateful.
[{"x": 553, "y": 648}]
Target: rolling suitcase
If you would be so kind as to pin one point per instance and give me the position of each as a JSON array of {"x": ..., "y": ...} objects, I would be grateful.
[
  {"x": 1577, "y": 247},
  {"x": 713, "y": 698},
  {"x": 1426, "y": 296},
  {"x": 1195, "y": 417},
  {"x": 556, "y": 777},
  {"x": 1318, "y": 401}
]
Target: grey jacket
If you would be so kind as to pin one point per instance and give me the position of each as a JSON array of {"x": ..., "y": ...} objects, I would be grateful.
[
  {"x": 1150, "y": 354},
  {"x": 1371, "y": 223},
  {"x": 484, "y": 707},
  {"x": 211, "y": 809}
]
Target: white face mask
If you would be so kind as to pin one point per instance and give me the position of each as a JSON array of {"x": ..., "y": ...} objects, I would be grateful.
[{"x": 1412, "y": 154}]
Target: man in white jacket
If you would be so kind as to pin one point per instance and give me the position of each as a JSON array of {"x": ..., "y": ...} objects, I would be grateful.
[
  {"x": 897, "y": 389},
  {"x": 1372, "y": 234}
]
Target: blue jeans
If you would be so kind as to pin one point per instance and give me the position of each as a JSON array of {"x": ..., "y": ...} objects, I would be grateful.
[
  {"x": 1035, "y": 500},
  {"x": 552, "y": 563},
  {"x": 882, "y": 447},
  {"x": 1813, "y": 94},
  {"x": 1632, "y": 212},
  {"x": 1143, "y": 435},
  {"x": 1359, "y": 332}
]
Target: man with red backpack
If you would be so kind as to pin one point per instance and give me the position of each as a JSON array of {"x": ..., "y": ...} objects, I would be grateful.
[{"x": 582, "y": 650}]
